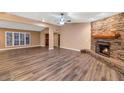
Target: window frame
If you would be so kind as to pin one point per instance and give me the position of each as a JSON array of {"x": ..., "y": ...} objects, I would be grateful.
[
  {"x": 20, "y": 39},
  {"x": 13, "y": 39},
  {"x": 29, "y": 39},
  {"x": 6, "y": 39}
]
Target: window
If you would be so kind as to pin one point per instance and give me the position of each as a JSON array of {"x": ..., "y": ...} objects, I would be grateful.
[
  {"x": 17, "y": 39},
  {"x": 22, "y": 38},
  {"x": 9, "y": 39},
  {"x": 27, "y": 39}
]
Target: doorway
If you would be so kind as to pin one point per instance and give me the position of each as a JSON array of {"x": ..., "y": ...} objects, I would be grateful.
[
  {"x": 59, "y": 40},
  {"x": 56, "y": 40},
  {"x": 47, "y": 40}
]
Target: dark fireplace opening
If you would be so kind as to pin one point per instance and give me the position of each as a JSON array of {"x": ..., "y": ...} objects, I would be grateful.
[{"x": 103, "y": 48}]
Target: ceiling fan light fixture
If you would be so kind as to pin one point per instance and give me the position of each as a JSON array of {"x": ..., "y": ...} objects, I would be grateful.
[
  {"x": 62, "y": 19},
  {"x": 61, "y": 22}
]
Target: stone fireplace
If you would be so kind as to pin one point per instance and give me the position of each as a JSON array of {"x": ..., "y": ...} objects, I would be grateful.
[
  {"x": 103, "y": 48},
  {"x": 108, "y": 36}
]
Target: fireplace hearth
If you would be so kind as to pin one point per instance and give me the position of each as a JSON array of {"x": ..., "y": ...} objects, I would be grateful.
[{"x": 103, "y": 48}]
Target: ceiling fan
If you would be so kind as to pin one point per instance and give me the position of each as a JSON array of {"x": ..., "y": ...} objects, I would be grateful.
[{"x": 64, "y": 18}]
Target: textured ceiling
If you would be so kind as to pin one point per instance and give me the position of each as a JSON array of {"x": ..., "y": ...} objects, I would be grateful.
[
  {"x": 6, "y": 24},
  {"x": 53, "y": 18},
  {"x": 75, "y": 17}
]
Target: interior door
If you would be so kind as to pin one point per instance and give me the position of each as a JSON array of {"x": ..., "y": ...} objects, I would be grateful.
[
  {"x": 58, "y": 40},
  {"x": 46, "y": 40}
]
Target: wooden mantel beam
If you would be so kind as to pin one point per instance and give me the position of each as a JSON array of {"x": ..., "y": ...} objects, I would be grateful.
[{"x": 106, "y": 35}]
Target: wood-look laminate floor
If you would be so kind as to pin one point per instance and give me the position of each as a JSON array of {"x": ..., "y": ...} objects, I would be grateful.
[{"x": 59, "y": 64}]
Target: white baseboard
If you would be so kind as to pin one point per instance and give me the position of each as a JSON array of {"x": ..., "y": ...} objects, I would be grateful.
[
  {"x": 20, "y": 47},
  {"x": 70, "y": 49},
  {"x": 42, "y": 45},
  {"x": 51, "y": 48}
]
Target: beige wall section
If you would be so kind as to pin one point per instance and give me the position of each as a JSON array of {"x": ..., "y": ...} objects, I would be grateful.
[
  {"x": 76, "y": 36},
  {"x": 35, "y": 37},
  {"x": 42, "y": 36},
  {"x": 55, "y": 39}
]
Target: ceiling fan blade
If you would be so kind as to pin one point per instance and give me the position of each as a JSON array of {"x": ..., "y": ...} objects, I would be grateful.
[{"x": 57, "y": 16}]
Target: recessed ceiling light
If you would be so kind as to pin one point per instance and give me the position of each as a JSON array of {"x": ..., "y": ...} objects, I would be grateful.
[
  {"x": 91, "y": 19},
  {"x": 43, "y": 20}
]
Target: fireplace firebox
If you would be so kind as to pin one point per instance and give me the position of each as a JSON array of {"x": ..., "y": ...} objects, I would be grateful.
[{"x": 103, "y": 48}]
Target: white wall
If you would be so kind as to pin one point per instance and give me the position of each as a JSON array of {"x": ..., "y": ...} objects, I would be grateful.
[{"x": 76, "y": 36}]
